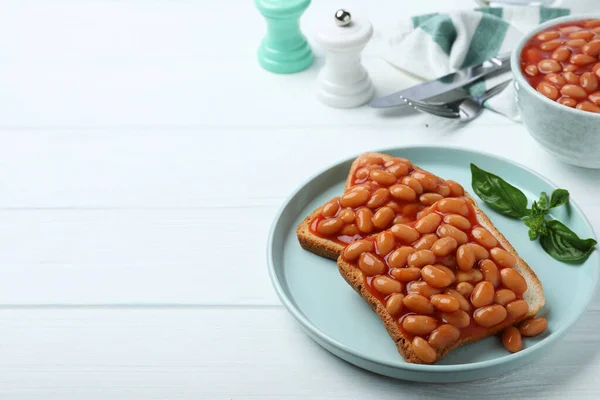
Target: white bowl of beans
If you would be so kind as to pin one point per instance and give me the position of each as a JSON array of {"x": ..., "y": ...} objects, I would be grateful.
[{"x": 557, "y": 82}]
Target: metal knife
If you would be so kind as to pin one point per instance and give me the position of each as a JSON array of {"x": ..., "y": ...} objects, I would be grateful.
[{"x": 445, "y": 84}]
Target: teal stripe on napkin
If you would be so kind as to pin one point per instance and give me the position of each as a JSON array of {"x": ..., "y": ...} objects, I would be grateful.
[
  {"x": 486, "y": 41},
  {"x": 441, "y": 29},
  {"x": 546, "y": 13},
  {"x": 419, "y": 20},
  {"x": 495, "y": 11}
]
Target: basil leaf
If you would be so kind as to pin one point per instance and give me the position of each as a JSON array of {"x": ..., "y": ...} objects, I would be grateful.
[
  {"x": 543, "y": 201},
  {"x": 498, "y": 194},
  {"x": 536, "y": 225},
  {"x": 559, "y": 197},
  {"x": 533, "y": 234},
  {"x": 563, "y": 244}
]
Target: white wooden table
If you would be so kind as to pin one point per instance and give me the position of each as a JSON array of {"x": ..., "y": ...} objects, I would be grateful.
[{"x": 140, "y": 140}]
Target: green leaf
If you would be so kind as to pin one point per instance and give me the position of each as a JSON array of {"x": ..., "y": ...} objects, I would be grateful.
[
  {"x": 563, "y": 244},
  {"x": 498, "y": 194},
  {"x": 559, "y": 197},
  {"x": 536, "y": 224},
  {"x": 533, "y": 234},
  {"x": 543, "y": 201}
]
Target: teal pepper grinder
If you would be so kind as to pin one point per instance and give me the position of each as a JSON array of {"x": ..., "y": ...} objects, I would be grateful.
[{"x": 284, "y": 50}]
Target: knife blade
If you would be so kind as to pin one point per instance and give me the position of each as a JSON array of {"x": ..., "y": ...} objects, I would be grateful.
[{"x": 445, "y": 84}]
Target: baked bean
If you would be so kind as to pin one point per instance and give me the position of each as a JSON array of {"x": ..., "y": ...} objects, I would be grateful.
[
  {"x": 362, "y": 174},
  {"x": 490, "y": 272},
  {"x": 453, "y": 206},
  {"x": 512, "y": 340},
  {"x": 427, "y": 181},
  {"x": 349, "y": 230},
  {"x": 355, "y": 198},
  {"x": 505, "y": 296},
  {"x": 548, "y": 35},
  {"x": 556, "y": 79},
  {"x": 383, "y": 178},
  {"x": 419, "y": 324},
  {"x": 570, "y": 68},
  {"x": 394, "y": 304},
  {"x": 355, "y": 249},
  {"x": 513, "y": 280},
  {"x": 405, "y": 233},
  {"x": 383, "y": 218},
  {"x": 406, "y": 274},
  {"x": 362, "y": 186},
  {"x": 503, "y": 258},
  {"x": 444, "y": 190},
  {"x": 473, "y": 276},
  {"x": 372, "y": 160},
  {"x": 571, "y": 78},
  {"x": 389, "y": 163},
  {"x": 425, "y": 242},
  {"x": 459, "y": 319},
  {"x": 465, "y": 288},
  {"x": 588, "y": 106},
  {"x": 423, "y": 350},
  {"x": 561, "y": 54},
  {"x": 331, "y": 207},
  {"x": 594, "y": 23},
  {"x": 378, "y": 198},
  {"x": 517, "y": 308},
  {"x": 347, "y": 215},
  {"x": 398, "y": 258},
  {"x": 428, "y": 223},
  {"x": 550, "y": 45},
  {"x": 386, "y": 285},
  {"x": 446, "y": 230},
  {"x": 443, "y": 336},
  {"x": 468, "y": 254},
  {"x": 575, "y": 43},
  {"x": 413, "y": 184},
  {"x": 533, "y": 326},
  {"x": 397, "y": 209},
  {"x": 589, "y": 82},
  {"x": 418, "y": 304},
  {"x": 364, "y": 220},
  {"x": 444, "y": 246},
  {"x": 582, "y": 59},
  {"x": 595, "y": 68},
  {"x": 483, "y": 294},
  {"x": 421, "y": 258},
  {"x": 412, "y": 209},
  {"x": 457, "y": 221},
  {"x": 592, "y": 48},
  {"x": 569, "y": 29},
  {"x": 447, "y": 271},
  {"x": 489, "y": 316},
  {"x": 567, "y": 101},
  {"x": 329, "y": 226},
  {"x": 445, "y": 302},
  {"x": 596, "y": 30},
  {"x": 403, "y": 192},
  {"x": 429, "y": 199},
  {"x": 462, "y": 301},
  {"x": 484, "y": 237},
  {"x": 594, "y": 98},
  {"x": 547, "y": 90},
  {"x": 547, "y": 66},
  {"x": 585, "y": 35},
  {"x": 385, "y": 243},
  {"x": 370, "y": 264},
  {"x": 401, "y": 219},
  {"x": 456, "y": 189},
  {"x": 398, "y": 170},
  {"x": 422, "y": 288},
  {"x": 405, "y": 161},
  {"x": 435, "y": 277}
]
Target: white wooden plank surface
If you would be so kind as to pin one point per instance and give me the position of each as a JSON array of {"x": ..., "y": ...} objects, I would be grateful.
[{"x": 119, "y": 123}]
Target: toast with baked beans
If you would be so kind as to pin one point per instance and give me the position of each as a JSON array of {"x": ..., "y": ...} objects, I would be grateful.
[
  {"x": 447, "y": 279},
  {"x": 380, "y": 191}
]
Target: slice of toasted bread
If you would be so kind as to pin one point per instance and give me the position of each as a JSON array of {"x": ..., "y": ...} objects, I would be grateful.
[
  {"x": 534, "y": 296},
  {"x": 325, "y": 247}
]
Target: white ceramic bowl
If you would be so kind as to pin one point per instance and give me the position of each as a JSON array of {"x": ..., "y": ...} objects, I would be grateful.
[{"x": 571, "y": 135}]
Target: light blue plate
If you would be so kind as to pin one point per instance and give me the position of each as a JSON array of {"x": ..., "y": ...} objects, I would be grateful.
[{"x": 312, "y": 289}]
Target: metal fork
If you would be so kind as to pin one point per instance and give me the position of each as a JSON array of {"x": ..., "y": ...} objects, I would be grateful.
[{"x": 465, "y": 110}]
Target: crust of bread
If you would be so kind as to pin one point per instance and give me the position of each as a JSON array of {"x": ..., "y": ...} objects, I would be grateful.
[
  {"x": 326, "y": 247},
  {"x": 534, "y": 296}
]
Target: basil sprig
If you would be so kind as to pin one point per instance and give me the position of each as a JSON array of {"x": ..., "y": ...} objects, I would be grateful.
[{"x": 556, "y": 239}]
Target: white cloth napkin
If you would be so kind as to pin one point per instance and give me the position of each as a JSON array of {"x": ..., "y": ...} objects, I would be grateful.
[{"x": 430, "y": 46}]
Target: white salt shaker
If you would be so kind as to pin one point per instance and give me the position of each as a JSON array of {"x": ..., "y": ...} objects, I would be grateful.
[{"x": 343, "y": 82}]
